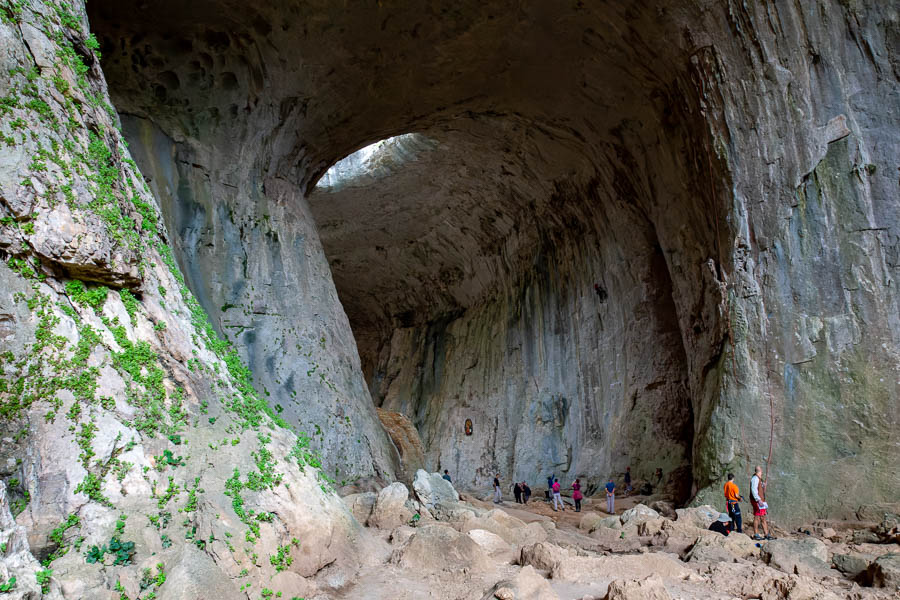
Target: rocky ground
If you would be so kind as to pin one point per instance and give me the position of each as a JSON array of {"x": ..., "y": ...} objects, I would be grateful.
[{"x": 466, "y": 547}]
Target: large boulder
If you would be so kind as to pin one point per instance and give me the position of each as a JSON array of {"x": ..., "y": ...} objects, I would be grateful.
[
  {"x": 439, "y": 547},
  {"x": 698, "y": 516},
  {"x": 676, "y": 536},
  {"x": 804, "y": 556},
  {"x": 590, "y": 521},
  {"x": 526, "y": 585},
  {"x": 543, "y": 556},
  {"x": 638, "y": 514},
  {"x": 584, "y": 569},
  {"x": 664, "y": 508},
  {"x": 853, "y": 565},
  {"x": 390, "y": 507},
  {"x": 715, "y": 547},
  {"x": 512, "y": 530},
  {"x": 884, "y": 572},
  {"x": 651, "y": 588},
  {"x": 491, "y": 542},
  {"x": 432, "y": 489}
]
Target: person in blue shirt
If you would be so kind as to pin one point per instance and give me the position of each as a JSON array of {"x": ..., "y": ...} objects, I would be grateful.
[
  {"x": 447, "y": 476},
  {"x": 611, "y": 497}
]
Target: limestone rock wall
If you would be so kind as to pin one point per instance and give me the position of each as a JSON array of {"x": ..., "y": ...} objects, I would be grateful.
[
  {"x": 135, "y": 455},
  {"x": 755, "y": 144}
]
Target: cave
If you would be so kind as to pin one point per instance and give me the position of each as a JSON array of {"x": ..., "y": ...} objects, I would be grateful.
[
  {"x": 291, "y": 293},
  {"x": 505, "y": 188},
  {"x": 542, "y": 219}
]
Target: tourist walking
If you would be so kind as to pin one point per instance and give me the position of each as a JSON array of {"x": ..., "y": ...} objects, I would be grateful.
[
  {"x": 497, "y": 496},
  {"x": 517, "y": 492},
  {"x": 556, "y": 498},
  {"x": 447, "y": 476},
  {"x": 732, "y": 503},
  {"x": 526, "y": 492},
  {"x": 611, "y": 497},
  {"x": 576, "y": 495},
  {"x": 759, "y": 504}
]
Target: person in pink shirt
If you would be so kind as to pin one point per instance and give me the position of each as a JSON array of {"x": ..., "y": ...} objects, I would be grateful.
[
  {"x": 556, "y": 499},
  {"x": 576, "y": 495}
]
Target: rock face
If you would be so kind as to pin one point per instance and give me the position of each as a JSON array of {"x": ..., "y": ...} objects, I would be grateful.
[
  {"x": 406, "y": 439},
  {"x": 134, "y": 450},
  {"x": 654, "y": 256}
]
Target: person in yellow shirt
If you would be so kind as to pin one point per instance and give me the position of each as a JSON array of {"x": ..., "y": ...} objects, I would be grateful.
[{"x": 732, "y": 500}]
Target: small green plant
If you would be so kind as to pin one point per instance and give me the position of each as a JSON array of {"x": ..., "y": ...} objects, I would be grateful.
[
  {"x": 282, "y": 559},
  {"x": 43, "y": 579},
  {"x": 8, "y": 586},
  {"x": 122, "y": 552}
]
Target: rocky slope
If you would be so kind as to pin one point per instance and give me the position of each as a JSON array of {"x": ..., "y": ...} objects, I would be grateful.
[{"x": 137, "y": 459}]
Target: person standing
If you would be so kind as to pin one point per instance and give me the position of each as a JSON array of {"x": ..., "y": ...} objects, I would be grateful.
[
  {"x": 732, "y": 503},
  {"x": 628, "y": 487},
  {"x": 497, "y": 496},
  {"x": 526, "y": 492},
  {"x": 447, "y": 476},
  {"x": 760, "y": 507},
  {"x": 556, "y": 498},
  {"x": 576, "y": 495},
  {"x": 517, "y": 492},
  {"x": 550, "y": 488},
  {"x": 611, "y": 497}
]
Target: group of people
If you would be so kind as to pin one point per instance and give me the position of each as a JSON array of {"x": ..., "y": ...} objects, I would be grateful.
[{"x": 732, "y": 520}]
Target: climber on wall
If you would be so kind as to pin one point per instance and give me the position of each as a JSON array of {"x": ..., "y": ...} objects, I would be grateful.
[
  {"x": 759, "y": 504},
  {"x": 732, "y": 500}
]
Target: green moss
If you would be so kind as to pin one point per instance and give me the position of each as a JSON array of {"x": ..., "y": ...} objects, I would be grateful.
[{"x": 131, "y": 305}]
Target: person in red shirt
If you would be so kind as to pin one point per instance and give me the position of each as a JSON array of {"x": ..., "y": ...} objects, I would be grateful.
[
  {"x": 732, "y": 499},
  {"x": 576, "y": 495}
]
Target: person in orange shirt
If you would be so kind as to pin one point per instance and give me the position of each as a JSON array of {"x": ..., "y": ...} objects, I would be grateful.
[{"x": 732, "y": 499}]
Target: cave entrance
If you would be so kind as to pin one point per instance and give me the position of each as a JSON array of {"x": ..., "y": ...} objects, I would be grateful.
[{"x": 526, "y": 153}]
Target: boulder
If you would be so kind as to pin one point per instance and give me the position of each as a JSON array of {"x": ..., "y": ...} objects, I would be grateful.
[
  {"x": 400, "y": 535},
  {"x": 432, "y": 489},
  {"x": 677, "y": 536},
  {"x": 491, "y": 542},
  {"x": 590, "y": 521},
  {"x": 854, "y": 565},
  {"x": 651, "y": 588},
  {"x": 543, "y": 556},
  {"x": 884, "y": 572},
  {"x": 639, "y": 514},
  {"x": 361, "y": 505},
  {"x": 438, "y": 547},
  {"x": 526, "y": 585},
  {"x": 802, "y": 556},
  {"x": 651, "y": 527},
  {"x": 585, "y": 569},
  {"x": 390, "y": 507},
  {"x": 714, "y": 547},
  {"x": 698, "y": 516},
  {"x": 612, "y": 522},
  {"x": 664, "y": 508}
]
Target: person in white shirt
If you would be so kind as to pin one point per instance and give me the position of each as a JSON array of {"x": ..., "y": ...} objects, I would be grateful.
[{"x": 760, "y": 507}]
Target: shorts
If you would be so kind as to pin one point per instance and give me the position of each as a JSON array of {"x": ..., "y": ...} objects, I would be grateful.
[{"x": 757, "y": 511}]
